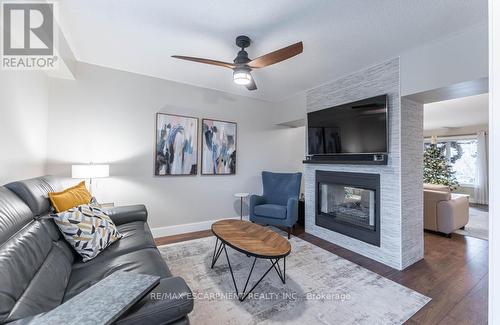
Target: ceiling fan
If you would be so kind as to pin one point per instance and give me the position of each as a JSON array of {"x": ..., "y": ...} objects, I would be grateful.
[{"x": 242, "y": 65}]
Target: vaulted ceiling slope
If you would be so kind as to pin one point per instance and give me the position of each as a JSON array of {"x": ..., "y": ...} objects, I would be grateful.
[{"x": 340, "y": 36}]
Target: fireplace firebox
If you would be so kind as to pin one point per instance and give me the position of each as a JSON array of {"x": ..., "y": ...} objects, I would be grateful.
[{"x": 349, "y": 203}]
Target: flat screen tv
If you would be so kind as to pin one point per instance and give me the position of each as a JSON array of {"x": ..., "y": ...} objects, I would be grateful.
[{"x": 350, "y": 129}]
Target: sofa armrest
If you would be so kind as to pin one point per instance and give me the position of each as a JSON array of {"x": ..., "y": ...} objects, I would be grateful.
[
  {"x": 168, "y": 302},
  {"x": 292, "y": 211},
  {"x": 128, "y": 213},
  {"x": 431, "y": 200},
  {"x": 452, "y": 214},
  {"x": 254, "y": 201}
]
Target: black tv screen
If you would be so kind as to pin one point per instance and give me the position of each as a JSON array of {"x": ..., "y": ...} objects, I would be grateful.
[{"x": 355, "y": 128}]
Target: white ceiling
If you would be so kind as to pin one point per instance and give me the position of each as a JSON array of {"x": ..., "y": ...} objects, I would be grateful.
[
  {"x": 340, "y": 36},
  {"x": 456, "y": 113}
]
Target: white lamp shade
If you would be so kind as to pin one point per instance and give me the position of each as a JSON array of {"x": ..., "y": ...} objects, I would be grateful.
[{"x": 89, "y": 171}]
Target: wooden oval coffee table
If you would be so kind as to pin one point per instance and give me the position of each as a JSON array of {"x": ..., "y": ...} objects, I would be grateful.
[{"x": 253, "y": 240}]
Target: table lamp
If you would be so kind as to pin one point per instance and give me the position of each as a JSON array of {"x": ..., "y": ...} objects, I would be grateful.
[{"x": 89, "y": 171}]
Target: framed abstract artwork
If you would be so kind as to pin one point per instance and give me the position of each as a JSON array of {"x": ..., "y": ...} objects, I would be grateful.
[
  {"x": 218, "y": 154},
  {"x": 176, "y": 151}
]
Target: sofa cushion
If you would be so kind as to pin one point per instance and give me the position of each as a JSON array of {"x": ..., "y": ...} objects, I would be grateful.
[
  {"x": 135, "y": 235},
  {"x": 34, "y": 192},
  {"x": 34, "y": 270},
  {"x": 34, "y": 262},
  {"x": 14, "y": 214},
  {"x": 271, "y": 211},
  {"x": 146, "y": 261},
  {"x": 87, "y": 229}
]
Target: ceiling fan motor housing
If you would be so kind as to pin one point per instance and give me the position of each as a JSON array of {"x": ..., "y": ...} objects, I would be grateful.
[
  {"x": 242, "y": 59},
  {"x": 243, "y": 41}
]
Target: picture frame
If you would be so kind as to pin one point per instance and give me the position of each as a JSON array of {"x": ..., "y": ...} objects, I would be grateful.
[
  {"x": 176, "y": 145},
  {"x": 219, "y": 147}
]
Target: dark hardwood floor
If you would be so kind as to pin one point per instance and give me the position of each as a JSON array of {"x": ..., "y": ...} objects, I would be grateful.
[{"x": 454, "y": 273}]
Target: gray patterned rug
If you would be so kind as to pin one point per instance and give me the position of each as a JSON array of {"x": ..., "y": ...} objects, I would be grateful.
[
  {"x": 321, "y": 288},
  {"x": 478, "y": 224}
]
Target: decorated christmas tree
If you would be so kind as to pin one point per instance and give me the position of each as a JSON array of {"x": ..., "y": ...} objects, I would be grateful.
[{"x": 436, "y": 168}]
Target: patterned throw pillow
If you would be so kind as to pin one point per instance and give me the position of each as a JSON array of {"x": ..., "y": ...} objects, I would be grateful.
[{"x": 88, "y": 229}]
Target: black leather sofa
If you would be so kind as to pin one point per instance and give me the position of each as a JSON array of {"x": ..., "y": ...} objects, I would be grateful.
[{"x": 39, "y": 270}]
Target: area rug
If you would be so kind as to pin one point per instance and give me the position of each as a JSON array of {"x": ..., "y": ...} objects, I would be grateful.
[
  {"x": 478, "y": 224},
  {"x": 321, "y": 288}
]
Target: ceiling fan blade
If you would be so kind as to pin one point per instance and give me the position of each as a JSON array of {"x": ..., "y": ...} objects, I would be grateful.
[
  {"x": 251, "y": 85},
  {"x": 276, "y": 56},
  {"x": 206, "y": 61}
]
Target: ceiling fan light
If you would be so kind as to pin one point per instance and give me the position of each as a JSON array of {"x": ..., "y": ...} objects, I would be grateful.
[{"x": 242, "y": 77}]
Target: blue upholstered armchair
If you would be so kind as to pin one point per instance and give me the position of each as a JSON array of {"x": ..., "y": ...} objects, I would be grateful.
[{"x": 278, "y": 205}]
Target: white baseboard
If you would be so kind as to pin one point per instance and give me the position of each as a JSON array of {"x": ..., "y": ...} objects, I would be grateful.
[{"x": 186, "y": 228}]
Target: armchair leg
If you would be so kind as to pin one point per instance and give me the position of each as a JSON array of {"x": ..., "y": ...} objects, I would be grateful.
[{"x": 289, "y": 230}]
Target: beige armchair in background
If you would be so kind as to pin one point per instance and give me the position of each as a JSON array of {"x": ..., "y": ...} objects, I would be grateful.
[{"x": 444, "y": 211}]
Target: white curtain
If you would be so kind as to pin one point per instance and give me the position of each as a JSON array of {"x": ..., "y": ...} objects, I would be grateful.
[{"x": 481, "y": 186}]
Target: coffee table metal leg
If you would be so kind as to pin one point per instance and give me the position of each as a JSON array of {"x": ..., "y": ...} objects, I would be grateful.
[
  {"x": 256, "y": 283},
  {"x": 277, "y": 267},
  {"x": 244, "y": 294},
  {"x": 284, "y": 270},
  {"x": 248, "y": 279},
  {"x": 217, "y": 252},
  {"x": 231, "y": 270}
]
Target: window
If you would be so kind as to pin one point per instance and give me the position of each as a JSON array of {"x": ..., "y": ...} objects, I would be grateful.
[{"x": 461, "y": 153}]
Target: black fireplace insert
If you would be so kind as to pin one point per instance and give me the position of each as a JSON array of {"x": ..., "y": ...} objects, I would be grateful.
[{"x": 349, "y": 203}]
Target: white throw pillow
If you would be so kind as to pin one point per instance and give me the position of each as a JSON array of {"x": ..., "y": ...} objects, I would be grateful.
[{"x": 87, "y": 229}]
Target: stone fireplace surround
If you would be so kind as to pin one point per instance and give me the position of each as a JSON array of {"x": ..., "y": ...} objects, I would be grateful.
[{"x": 401, "y": 198}]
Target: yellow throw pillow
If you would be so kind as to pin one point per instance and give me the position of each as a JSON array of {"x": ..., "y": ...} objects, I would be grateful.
[{"x": 70, "y": 197}]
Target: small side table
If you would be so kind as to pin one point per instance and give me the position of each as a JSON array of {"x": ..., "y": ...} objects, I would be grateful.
[{"x": 241, "y": 196}]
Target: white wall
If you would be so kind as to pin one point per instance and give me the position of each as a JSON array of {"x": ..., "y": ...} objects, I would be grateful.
[
  {"x": 291, "y": 110},
  {"x": 494, "y": 165},
  {"x": 109, "y": 116},
  {"x": 23, "y": 124}
]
